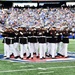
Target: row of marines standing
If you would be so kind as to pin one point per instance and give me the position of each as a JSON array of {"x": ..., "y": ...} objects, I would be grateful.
[{"x": 42, "y": 41}]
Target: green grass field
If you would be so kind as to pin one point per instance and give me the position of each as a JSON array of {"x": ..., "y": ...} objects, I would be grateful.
[{"x": 46, "y": 68}]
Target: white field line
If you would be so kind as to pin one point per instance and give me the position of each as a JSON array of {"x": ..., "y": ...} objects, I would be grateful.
[
  {"x": 18, "y": 70},
  {"x": 45, "y": 72},
  {"x": 56, "y": 67},
  {"x": 39, "y": 68}
]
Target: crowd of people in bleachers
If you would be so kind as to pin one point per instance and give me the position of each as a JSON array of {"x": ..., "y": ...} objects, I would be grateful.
[{"x": 37, "y": 17}]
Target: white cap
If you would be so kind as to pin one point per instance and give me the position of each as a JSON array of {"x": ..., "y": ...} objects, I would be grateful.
[
  {"x": 8, "y": 26},
  {"x": 46, "y": 27},
  {"x": 37, "y": 26},
  {"x": 22, "y": 26},
  {"x": 58, "y": 27}
]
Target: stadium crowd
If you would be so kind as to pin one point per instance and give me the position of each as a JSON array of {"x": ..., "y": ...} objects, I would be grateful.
[
  {"x": 23, "y": 24},
  {"x": 37, "y": 17}
]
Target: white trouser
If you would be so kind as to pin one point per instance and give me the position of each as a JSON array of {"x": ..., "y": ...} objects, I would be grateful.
[
  {"x": 64, "y": 49},
  {"x": 42, "y": 49},
  {"x": 16, "y": 47},
  {"x": 60, "y": 47},
  {"x": 53, "y": 49},
  {"x": 12, "y": 49},
  {"x": 7, "y": 50},
  {"x": 29, "y": 46},
  {"x": 33, "y": 47},
  {"x": 48, "y": 48},
  {"x": 23, "y": 49},
  {"x": 56, "y": 46}
]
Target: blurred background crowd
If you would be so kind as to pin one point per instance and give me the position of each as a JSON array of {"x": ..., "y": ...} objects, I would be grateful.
[{"x": 28, "y": 17}]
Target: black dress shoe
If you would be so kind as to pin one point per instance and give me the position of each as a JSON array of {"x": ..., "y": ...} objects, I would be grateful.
[
  {"x": 47, "y": 55},
  {"x": 7, "y": 58},
  {"x": 31, "y": 57},
  {"x": 60, "y": 55},
  {"x": 16, "y": 57},
  {"x": 28, "y": 56},
  {"x": 24, "y": 54},
  {"x": 37, "y": 56},
  {"x": 43, "y": 57},
  {"x": 21, "y": 58}
]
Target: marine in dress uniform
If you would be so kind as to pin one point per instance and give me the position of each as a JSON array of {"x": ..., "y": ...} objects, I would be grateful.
[
  {"x": 60, "y": 43},
  {"x": 53, "y": 41},
  {"x": 32, "y": 39},
  {"x": 65, "y": 41},
  {"x": 26, "y": 43},
  {"x": 16, "y": 42},
  {"x": 35, "y": 42},
  {"x": 11, "y": 38},
  {"x": 42, "y": 43},
  {"x": 58, "y": 40},
  {"x": 48, "y": 42},
  {"x": 8, "y": 42},
  {"x": 5, "y": 40},
  {"x": 23, "y": 42}
]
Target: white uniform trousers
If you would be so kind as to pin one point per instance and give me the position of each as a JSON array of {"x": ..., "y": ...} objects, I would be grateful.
[
  {"x": 48, "y": 48},
  {"x": 33, "y": 47},
  {"x": 64, "y": 49},
  {"x": 16, "y": 47},
  {"x": 56, "y": 46},
  {"x": 30, "y": 49},
  {"x": 23, "y": 49},
  {"x": 7, "y": 50},
  {"x": 53, "y": 50},
  {"x": 42, "y": 49},
  {"x": 60, "y": 47},
  {"x": 12, "y": 49}
]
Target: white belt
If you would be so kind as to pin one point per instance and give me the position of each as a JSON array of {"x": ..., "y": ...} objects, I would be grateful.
[
  {"x": 32, "y": 36},
  {"x": 41, "y": 36},
  {"x": 22, "y": 37},
  {"x": 48, "y": 37},
  {"x": 9, "y": 37}
]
